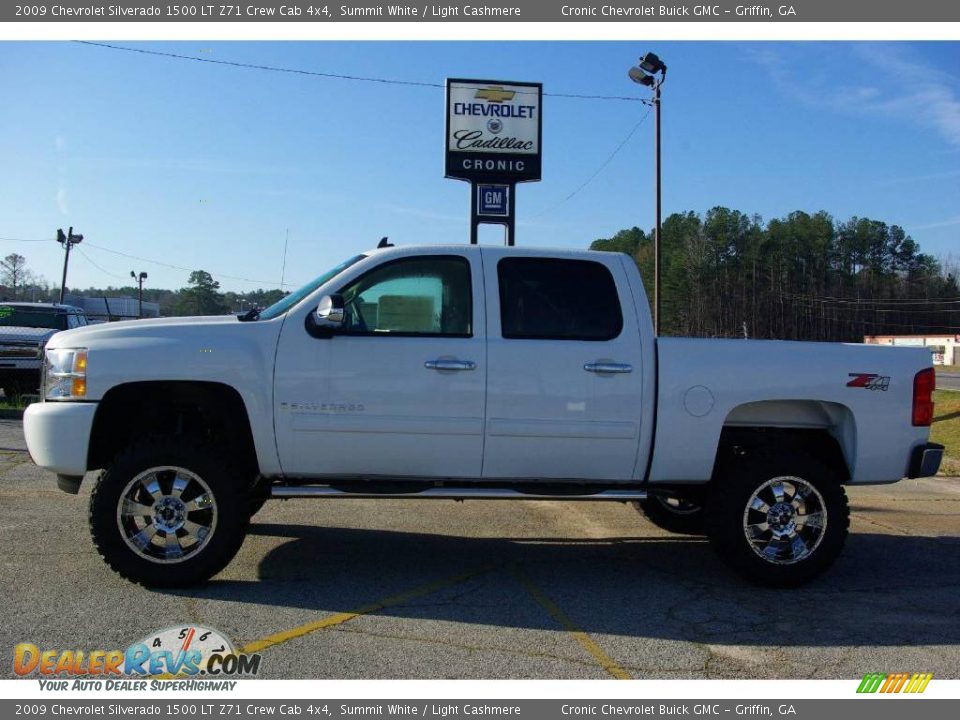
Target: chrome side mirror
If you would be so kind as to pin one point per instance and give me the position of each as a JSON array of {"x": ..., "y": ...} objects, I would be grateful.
[{"x": 329, "y": 313}]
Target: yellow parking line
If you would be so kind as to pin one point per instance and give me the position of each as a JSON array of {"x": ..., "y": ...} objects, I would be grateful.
[
  {"x": 340, "y": 618},
  {"x": 586, "y": 642}
]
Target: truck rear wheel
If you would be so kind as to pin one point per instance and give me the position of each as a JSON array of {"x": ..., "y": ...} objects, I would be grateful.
[
  {"x": 169, "y": 513},
  {"x": 673, "y": 514},
  {"x": 778, "y": 521}
]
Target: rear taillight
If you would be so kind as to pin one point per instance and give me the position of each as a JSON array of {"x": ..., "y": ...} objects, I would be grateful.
[{"x": 924, "y": 383}]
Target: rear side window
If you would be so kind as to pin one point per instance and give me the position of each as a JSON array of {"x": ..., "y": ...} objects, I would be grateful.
[{"x": 553, "y": 299}]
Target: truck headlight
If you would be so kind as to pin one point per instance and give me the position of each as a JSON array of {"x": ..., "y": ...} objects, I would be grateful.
[{"x": 65, "y": 374}]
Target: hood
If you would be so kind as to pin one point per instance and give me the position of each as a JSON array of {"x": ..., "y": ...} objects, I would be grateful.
[
  {"x": 91, "y": 334},
  {"x": 17, "y": 334}
]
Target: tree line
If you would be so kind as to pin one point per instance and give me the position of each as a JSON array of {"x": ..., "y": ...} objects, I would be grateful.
[
  {"x": 200, "y": 296},
  {"x": 801, "y": 277}
]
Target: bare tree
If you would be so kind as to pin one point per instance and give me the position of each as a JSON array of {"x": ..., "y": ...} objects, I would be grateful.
[{"x": 14, "y": 273}]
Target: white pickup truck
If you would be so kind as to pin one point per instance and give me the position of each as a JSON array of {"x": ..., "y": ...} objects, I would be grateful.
[{"x": 470, "y": 372}]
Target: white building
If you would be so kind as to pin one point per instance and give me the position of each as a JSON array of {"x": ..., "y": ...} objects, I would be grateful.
[
  {"x": 109, "y": 309},
  {"x": 945, "y": 348}
]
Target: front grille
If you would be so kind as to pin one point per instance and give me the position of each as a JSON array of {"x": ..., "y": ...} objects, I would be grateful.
[{"x": 20, "y": 349}]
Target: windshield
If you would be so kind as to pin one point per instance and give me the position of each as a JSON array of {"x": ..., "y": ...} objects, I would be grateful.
[
  {"x": 13, "y": 316},
  {"x": 281, "y": 306}
]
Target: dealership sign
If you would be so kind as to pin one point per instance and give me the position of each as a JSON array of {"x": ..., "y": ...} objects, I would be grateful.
[
  {"x": 493, "y": 131},
  {"x": 493, "y": 142}
]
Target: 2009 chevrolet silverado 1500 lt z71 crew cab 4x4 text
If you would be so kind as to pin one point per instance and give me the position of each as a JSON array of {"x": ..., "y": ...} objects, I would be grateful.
[{"x": 471, "y": 372}]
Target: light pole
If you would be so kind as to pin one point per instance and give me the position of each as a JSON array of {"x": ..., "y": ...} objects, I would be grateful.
[
  {"x": 68, "y": 240},
  {"x": 652, "y": 72},
  {"x": 139, "y": 278}
]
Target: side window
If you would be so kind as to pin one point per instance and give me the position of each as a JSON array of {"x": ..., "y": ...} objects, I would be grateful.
[
  {"x": 72, "y": 321},
  {"x": 429, "y": 295},
  {"x": 549, "y": 298},
  {"x": 81, "y": 320}
]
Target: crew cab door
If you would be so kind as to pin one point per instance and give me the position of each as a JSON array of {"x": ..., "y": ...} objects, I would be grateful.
[
  {"x": 564, "y": 368},
  {"x": 399, "y": 390}
]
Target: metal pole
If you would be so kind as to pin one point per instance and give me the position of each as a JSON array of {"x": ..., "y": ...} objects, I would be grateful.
[
  {"x": 140, "y": 296},
  {"x": 659, "y": 229},
  {"x": 66, "y": 260}
]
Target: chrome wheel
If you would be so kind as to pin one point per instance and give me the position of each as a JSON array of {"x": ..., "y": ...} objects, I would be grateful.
[
  {"x": 785, "y": 520},
  {"x": 167, "y": 514}
]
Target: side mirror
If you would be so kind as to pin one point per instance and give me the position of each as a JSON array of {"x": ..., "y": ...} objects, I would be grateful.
[{"x": 329, "y": 313}]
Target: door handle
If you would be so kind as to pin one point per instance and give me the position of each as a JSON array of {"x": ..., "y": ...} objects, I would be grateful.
[
  {"x": 450, "y": 365},
  {"x": 608, "y": 367}
]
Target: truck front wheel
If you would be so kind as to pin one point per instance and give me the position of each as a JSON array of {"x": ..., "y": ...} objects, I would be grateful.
[
  {"x": 778, "y": 521},
  {"x": 169, "y": 513}
]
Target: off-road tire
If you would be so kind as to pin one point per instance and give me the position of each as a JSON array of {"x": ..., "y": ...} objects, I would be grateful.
[
  {"x": 726, "y": 516},
  {"x": 226, "y": 483}
]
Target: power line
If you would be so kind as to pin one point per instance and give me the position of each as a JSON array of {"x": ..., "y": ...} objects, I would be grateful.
[
  {"x": 600, "y": 169},
  {"x": 867, "y": 303},
  {"x": 267, "y": 283},
  {"x": 160, "y": 263},
  {"x": 98, "y": 267},
  {"x": 331, "y": 75}
]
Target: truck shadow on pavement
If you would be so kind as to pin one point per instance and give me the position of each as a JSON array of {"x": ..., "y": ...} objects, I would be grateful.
[{"x": 884, "y": 591}]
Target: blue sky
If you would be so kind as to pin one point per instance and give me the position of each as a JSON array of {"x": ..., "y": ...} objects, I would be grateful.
[{"x": 205, "y": 166}]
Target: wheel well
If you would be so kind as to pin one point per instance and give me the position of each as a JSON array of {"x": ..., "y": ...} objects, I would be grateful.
[
  {"x": 737, "y": 443},
  {"x": 207, "y": 411}
]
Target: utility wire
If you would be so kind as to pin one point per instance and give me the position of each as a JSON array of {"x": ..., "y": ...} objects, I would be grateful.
[
  {"x": 330, "y": 75},
  {"x": 267, "y": 283},
  {"x": 600, "y": 169},
  {"x": 90, "y": 260}
]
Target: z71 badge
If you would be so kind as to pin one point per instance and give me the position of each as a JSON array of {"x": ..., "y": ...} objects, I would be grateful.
[{"x": 869, "y": 381}]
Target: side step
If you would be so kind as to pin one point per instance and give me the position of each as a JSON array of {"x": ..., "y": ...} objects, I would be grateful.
[{"x": 454, "y": 493}]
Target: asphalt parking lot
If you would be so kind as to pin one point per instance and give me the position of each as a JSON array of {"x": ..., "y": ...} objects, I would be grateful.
[{"x": 438, "y": 589}]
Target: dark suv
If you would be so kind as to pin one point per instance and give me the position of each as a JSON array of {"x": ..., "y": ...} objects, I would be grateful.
[{"x": 25, "y": 329}]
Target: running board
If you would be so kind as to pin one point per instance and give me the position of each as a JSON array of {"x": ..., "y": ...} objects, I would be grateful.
[{"x": 453, "y": 493}]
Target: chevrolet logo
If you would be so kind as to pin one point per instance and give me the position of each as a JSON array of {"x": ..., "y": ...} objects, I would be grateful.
[{"x": 495, "y": 94}]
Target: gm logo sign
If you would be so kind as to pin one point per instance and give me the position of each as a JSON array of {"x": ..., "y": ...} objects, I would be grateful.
[{"x": 493, "y": 200}]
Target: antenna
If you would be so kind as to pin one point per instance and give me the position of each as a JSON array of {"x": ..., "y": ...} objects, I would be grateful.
[
  {"x": 283, "y": 268},
  {"x": 384, "y": 243}
]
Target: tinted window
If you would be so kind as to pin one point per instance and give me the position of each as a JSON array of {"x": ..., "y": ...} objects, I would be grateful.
[
  {"x": 548, "y": 298},
  {"x": 32, "y": 317},
  {"x": 419, "y": 296}
]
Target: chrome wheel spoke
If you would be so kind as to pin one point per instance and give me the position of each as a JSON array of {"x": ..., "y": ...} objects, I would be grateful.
[
  {"x": 799, "y": 547},
  {"x": 179, "y": 485},
  {"x": 200, "y": 502},
  {"x": 779, "y": 494},
  {"x": 172, "y": 545},
  {"x": 143, "y": 538},
  {"x": 758, "y": 529},
  {"x": 800, "y": 496},
  {"x": 132, "y": 507},
  {"x": 194, "y": 531},
  {"x": 759, "y": 505},
  {"x": 152, "y": 487},
  {"x": 813, "y": 520}
]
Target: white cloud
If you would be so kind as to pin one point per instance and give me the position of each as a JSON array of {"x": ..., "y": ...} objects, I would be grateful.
[
  {"x": 940, "y": 224},
  {"x": 910, "y": 90},
  {"x": 62, "y": 200}
]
